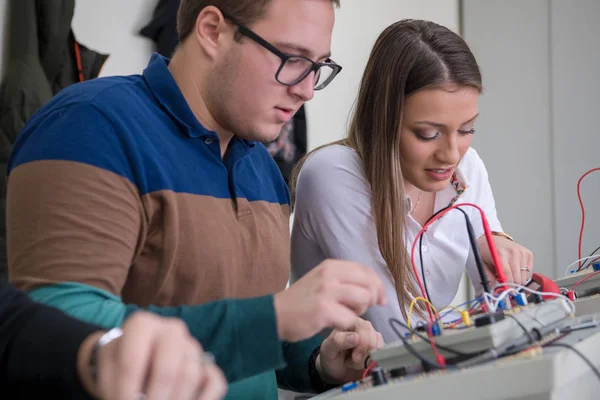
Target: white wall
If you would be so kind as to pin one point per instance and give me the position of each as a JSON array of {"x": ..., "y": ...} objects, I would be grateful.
[
  {"x": 111, "y": 27},
  {"x": 575, "y": 63},
  {"x": 514, "y": 124},
  {"x": 538, "y": 130}
]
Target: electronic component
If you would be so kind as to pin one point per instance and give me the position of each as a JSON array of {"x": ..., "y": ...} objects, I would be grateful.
[
  {"x": 474, "y": 339},
  {"x": 378, "y": 376},
  {"x": 586, "y": 293},
  {"x": 532, "y": 373}
]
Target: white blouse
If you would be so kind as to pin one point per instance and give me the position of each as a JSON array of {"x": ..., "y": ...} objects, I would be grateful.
[{"x": 333, "y": 219}]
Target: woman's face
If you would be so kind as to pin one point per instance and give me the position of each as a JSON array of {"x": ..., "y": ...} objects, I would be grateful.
[{"x": 436, "y": 132}]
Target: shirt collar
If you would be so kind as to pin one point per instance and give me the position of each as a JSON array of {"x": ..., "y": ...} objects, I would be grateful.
[
  {"x": 449, "y": 196},
  {"x": 165, "y": 89},
  {"x": 459, "y": 183}
]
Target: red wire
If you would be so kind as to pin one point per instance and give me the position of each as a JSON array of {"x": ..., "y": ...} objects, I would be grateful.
[
  {"x": 490, "y": 240},
  {"x": 368, "y": 369},
  {"x": 440, "y": 358},
  {"x": 488, "y": 236},
  {"x": 583, "y": 280},
  {"x": 582, "y": 211}
]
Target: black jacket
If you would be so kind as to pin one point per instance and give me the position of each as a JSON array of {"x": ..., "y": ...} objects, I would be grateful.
[
  {"x": 41, "y": 61},
  {"x": 38, "y": 349},
  {"x": 162, "y": 29}
]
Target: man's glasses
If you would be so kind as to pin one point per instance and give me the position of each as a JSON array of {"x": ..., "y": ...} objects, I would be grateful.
[{"x": 294, "y": 68}]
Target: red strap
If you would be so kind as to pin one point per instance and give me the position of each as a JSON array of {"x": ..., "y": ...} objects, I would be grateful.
[{"x": 78, "y": 59}]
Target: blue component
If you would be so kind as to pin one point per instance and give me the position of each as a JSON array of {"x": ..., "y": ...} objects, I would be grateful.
[
  {"x": 521, "y": 299},
  {"x": 349, "y": 386},
  {"x": 502, "y": 305},
  {"x": 596, "y": 266},
  {"x": 435, "y": 330}
]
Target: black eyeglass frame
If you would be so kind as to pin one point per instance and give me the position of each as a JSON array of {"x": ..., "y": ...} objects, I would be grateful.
[{"x": 285, "y": 57}]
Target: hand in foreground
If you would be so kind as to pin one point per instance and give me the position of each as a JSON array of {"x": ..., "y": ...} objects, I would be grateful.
[
  {"x": 343, "y": 353},
  {"x": 332, "y": 295},
  {"x": 155, "y": 356}
]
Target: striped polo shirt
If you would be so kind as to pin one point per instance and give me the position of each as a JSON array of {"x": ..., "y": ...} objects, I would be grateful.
[{"x": 116, "y": 185}]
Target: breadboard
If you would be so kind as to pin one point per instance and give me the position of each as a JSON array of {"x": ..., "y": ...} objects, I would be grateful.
[
  {"x": 538, "y": 374},
  {"x": 471, "y": 340}
]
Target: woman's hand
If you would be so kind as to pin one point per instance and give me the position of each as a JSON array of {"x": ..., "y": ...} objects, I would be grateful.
[{"x": 516, "y": 260}]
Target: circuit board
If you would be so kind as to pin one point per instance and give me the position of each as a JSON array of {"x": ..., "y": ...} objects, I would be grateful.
[
  {"x": 587, "y": 293},
  {"x": 535, "y": 373}
]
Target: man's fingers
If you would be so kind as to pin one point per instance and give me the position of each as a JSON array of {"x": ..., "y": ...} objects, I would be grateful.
[
  {"x": 340, "y": 317},
  {"x": 380, "y": 341},
  {"x": 164, "y": 365},
  {"x": 214, "y": 385},
  {"x": 338, "y": 342},
  {"x": 354, "y": 297},
  {"x": 368, "y": 341},
  {"x": 123, "y": 372},
  {"x": 191, "y": 372},
  {"x": 353, "y": 273}
]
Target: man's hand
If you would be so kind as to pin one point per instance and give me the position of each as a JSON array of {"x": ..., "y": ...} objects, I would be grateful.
[
  {"x": 517, "y": 261},
  {"x": 343, "y": 354},
  {"x": 155, "y": 356},
  {"x": 332, "y": 295}
]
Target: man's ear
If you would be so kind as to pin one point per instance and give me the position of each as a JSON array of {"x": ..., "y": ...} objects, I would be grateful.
[{"x": 210, "y": 26}]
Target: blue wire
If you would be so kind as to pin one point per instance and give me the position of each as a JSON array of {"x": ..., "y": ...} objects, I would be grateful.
[{"x": 461, "y": 305}]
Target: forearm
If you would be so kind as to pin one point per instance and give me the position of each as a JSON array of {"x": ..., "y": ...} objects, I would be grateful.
[
  {"x": 242, "y": 334},
  {"x": 83, "y": 362},
  {"x": 295, "y": 375}
]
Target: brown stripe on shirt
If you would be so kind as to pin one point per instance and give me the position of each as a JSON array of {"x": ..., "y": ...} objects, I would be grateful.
[{"x": 164, "y": 248}]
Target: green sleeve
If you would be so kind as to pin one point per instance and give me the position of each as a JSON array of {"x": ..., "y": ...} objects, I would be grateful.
[
  {"x": 295, "y": 375},
  {"x": 241, "y": 334}
]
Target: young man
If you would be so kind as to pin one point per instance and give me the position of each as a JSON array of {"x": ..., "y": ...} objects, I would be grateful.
[
  {"x": 152, "y": 191},
  {"x": 44, "y": 351}
]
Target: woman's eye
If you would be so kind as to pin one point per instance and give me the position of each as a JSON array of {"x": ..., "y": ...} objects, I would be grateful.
[{"x": 427, "y": 136}]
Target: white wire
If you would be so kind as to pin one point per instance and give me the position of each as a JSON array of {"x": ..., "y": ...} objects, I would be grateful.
[
  {"x": 514, "y": 285},
  {"x": 498, "y": 298},
  {"x": 568, "y": 270}
]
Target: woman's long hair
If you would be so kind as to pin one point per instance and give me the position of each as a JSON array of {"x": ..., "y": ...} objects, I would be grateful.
[{"x": 408, "y": 56}]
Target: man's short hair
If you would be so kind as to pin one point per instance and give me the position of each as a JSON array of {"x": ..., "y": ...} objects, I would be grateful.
[{"x": 244, "y": 11}]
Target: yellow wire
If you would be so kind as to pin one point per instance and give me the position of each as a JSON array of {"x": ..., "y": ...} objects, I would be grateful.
[{"x": 412, "y": 305}]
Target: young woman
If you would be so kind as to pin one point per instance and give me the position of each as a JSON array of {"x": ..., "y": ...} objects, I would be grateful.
[{"x": 407, "y": 155}]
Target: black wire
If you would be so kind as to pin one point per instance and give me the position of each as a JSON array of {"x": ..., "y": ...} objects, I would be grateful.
[
  {"x": 423, "y": 268},
  {"x": 588, "y": 260},
  {"x": 584, "y": 358},
  {"x": 529, "y": 335},
  {"x": 411, "y": 349},
  {"x": 426, "y": 339},
  {"x": 478, "y": 261},
  {"x": 474, "y": 247},
  {"x": 568, "y": 346}
]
